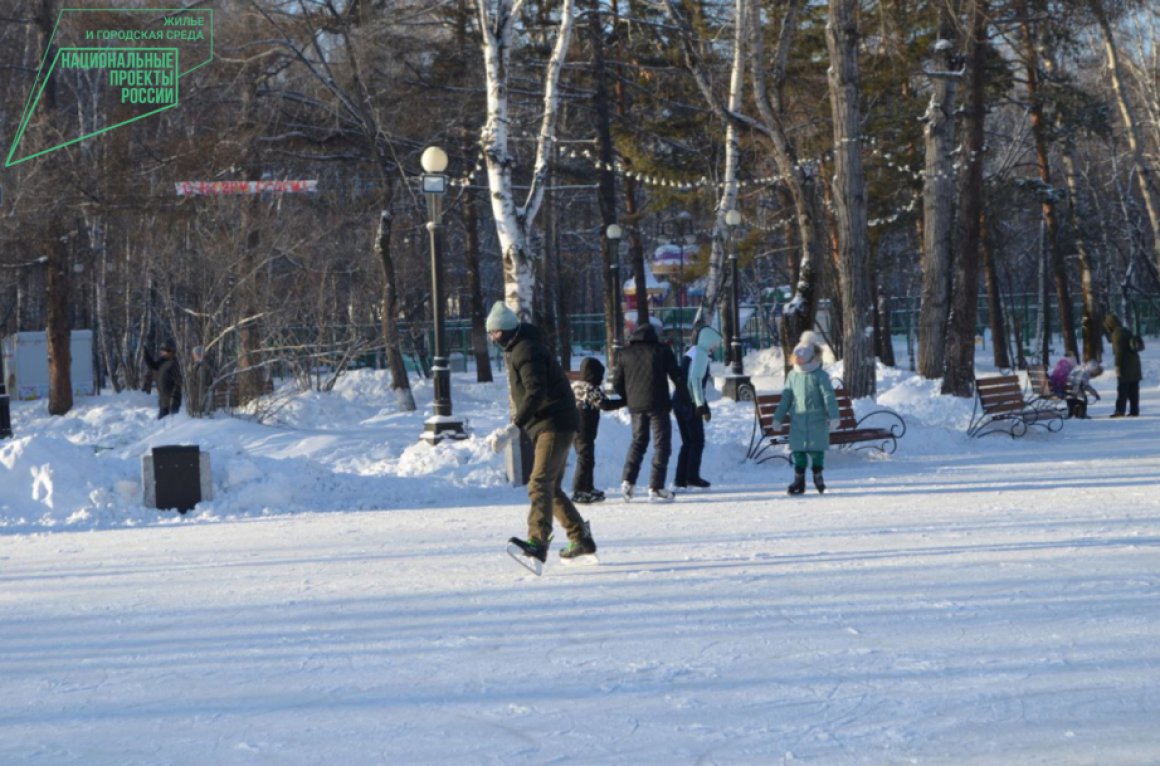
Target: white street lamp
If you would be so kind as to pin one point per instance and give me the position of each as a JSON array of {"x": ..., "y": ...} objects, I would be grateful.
[{"x": 441, "y": 425}]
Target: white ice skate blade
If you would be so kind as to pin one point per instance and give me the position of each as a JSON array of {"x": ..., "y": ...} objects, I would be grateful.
[{"x": 587, "y": 560}]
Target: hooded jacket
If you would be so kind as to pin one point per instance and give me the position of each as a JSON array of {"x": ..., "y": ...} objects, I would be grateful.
[
  {"x": 541, "y": 396},
  {"x": 810, "y": 403},
  {"x": 587, "y": 389},
  {"x": 695, "y": 369},
  {"x": 646, "y": 366},
  {"x": 1127, "y": 358}
]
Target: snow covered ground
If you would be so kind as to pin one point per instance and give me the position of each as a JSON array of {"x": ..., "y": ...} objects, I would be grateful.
[{"x": 345, "y": 598}]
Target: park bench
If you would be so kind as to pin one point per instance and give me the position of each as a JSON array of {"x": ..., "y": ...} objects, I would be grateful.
[
  {"x": 860, "y": 433},
  {"x": 1002, "y": 407}
]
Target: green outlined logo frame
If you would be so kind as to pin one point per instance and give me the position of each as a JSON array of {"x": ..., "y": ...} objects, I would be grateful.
[{"x": 42, "y": 75}]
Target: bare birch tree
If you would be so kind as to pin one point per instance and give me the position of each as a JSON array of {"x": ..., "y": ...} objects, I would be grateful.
[
  {"x": 1128, "y": 115},
  {"x": 514, "y": 221}
]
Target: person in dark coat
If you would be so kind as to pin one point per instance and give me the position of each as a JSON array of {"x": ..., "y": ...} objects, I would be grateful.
[
  {"x": 543, "y": 406},
  {"x": 1126, "y": 347},
  {"x": 167, "y": 374},
  {"x": 200, "y": 384},
  {"x": 646, "y": 366},
  {"x": 590, "y": 402}
]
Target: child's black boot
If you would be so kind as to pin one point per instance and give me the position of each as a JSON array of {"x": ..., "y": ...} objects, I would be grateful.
[
  {"x": 818, "y": 481},
  {"x": 799, "y": 482}
]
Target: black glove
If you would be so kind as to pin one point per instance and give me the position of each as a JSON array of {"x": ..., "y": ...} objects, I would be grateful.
[{"x": 703, "y": 410}]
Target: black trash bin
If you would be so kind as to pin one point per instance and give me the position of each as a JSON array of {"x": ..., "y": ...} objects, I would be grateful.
[
  {"x": 177, "y": 476},
  {"x": 5, "y": 412}
]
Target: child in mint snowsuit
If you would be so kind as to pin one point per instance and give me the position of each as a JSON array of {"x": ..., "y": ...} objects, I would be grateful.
[{"x": 810, "y": 403}]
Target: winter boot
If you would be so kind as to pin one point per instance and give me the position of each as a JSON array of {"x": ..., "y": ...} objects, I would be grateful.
[
  {"x": 799, "y": 483},
  {"x": 585, "y": 546},
  {"x": 818, "y": 482},
  {"x": 533, "y": 549},
  {"x": 584, "y": 498}
]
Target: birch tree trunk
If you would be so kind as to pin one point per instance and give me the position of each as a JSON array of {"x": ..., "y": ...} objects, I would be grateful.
[
  {"x": 850, "y": 201},
  {"x": 1143, "y": 171},
  {"x": 938, "y": 204},
  {"x": 729, "y": 113},
  {"x": 513, "y": 221}
]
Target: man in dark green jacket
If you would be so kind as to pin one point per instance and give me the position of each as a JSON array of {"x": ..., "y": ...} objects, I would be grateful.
[
  {"x": 1126, "y": 348},
  {"x": 167, "y": 374},
  {"x": 543, "y": 406}
]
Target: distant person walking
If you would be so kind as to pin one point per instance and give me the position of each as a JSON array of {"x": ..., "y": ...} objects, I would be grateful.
[
  {"x": 692, "y": 409},
  {"x": 200, "y": 383},
  {"x": 590, "y": 402},
  {"x": 809, "y": 401},
  {"x": 543, "y": 406},
  {"x": 646, "y": 366},
  {"x": 1126, "y": 347},
  {"x": 168, "y": 377}
]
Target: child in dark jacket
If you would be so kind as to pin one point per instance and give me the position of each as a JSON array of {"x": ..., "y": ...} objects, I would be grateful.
[{"x": 590, "y": 401}]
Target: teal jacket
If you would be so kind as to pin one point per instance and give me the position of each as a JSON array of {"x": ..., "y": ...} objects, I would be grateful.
[{"x": 810, "y": 402}]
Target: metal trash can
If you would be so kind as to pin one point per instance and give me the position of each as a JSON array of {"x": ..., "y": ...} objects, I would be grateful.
[{"x": 176, "y": 477}]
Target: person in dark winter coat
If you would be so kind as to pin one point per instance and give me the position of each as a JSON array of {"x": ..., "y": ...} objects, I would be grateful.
[
  {"x": 1126, "y": 347},
  {"x": 543, "y": 406},
  {"x": 646, "y": 366},
  {"x": 167, "y": 374},
  {"x": 590, "y": 401},
  {"x": 692, "y": 409},
  {"x": 200, "y": 384},
  {"x": 809, "y": 400}
]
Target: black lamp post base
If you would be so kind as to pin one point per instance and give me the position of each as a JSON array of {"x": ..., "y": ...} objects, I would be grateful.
[
  {"x": 439, "y": 427},
  {"x": 738, "y": 388}
]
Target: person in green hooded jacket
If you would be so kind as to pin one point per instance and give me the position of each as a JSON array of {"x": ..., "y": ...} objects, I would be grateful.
[
  {"x": 544, "y": 408},
  {"x": 1126, "y": 347},
  {"x": 809, "y": 401}
]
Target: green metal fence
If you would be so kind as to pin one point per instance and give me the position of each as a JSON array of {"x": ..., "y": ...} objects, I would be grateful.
[{"x": 1142, "y": 314}]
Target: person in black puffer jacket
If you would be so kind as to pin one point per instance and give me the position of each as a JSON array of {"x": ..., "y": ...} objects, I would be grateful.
[{"x": 646, "y": 366}]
